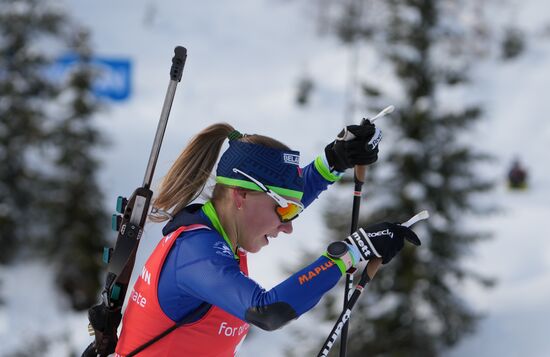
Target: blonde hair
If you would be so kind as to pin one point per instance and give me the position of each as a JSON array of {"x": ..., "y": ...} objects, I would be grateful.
[{"x": 188, "y": 175}]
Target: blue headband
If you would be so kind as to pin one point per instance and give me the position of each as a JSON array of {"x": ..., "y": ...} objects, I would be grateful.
[{"x": 277, "y": 169}]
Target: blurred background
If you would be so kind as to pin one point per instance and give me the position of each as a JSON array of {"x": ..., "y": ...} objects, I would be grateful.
[{"x": 81, "y": 89}]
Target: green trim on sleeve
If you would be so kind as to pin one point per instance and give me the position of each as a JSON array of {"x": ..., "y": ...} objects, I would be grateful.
[
  {"x": 324, "y": 170},
  {"x": 338, "y": 262}
]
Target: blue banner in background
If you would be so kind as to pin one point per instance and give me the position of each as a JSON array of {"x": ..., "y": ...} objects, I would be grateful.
[{"x": 113, "y": 77}]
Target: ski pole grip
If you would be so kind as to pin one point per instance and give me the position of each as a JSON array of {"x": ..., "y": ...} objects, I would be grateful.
[
  {"x": 372, "y": 267},
  {"x": 178, "y": 62}
]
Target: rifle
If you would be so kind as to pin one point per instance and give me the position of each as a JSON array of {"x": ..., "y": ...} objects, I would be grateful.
[{"x": 129, "y": 221}]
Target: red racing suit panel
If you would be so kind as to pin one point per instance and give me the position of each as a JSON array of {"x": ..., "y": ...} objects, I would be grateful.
[{"x": 144, "y": 319}]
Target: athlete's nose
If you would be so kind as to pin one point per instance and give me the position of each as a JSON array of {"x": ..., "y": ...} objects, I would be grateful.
[{"x": 286, "y": 227}]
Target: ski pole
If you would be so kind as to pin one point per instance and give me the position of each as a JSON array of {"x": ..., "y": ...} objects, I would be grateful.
[
  {"x": 366, "y": 276},
  {"x": 359, "y": 179}
]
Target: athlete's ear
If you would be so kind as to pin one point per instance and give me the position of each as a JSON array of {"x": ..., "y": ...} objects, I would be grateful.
[{"x": 239, "y": 196}]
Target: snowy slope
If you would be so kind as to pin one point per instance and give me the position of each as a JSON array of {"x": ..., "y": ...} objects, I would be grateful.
[{"x": 231, "y": 49}]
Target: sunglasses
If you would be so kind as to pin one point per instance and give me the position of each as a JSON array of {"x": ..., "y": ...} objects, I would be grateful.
[{"x": 287, "y": 210}]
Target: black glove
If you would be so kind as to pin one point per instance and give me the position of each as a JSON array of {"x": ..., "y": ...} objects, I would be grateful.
[
  {"x": 104, "y": 322},
  {"x": 360, "y": 148},
  {"x": 382, "y": 240}
]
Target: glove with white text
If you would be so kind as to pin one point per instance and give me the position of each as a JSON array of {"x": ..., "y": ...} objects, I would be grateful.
[
  {"x": 381, "y": 240},
  {"x": 354, "y": 145}
]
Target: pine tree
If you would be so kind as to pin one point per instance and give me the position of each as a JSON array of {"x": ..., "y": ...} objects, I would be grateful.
[
  {"x": 412, "y": 307},
  {"x": 50, "y": 197},
  {"x": 77, "y": 216},
  {"x": 24, "y": 92}
]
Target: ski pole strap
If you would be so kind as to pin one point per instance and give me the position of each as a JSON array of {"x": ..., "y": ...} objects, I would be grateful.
[{"x": 194, "y": 316}]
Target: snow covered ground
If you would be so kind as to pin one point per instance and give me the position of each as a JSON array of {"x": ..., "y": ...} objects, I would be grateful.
[{"x": 243, "y": 63}]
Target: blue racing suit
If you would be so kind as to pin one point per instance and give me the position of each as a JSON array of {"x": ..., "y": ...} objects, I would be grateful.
[{"x": 201, "y": 267}]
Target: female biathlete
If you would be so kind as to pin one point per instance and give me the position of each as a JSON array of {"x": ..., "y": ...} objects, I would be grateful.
[{"x": 194, "y": 296}]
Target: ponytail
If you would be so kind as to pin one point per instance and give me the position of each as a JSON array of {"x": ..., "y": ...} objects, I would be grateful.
[{"x": 186, "y": 178}]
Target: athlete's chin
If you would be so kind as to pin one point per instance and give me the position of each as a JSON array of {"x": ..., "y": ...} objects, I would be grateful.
[{"x": 255, "y": 248}]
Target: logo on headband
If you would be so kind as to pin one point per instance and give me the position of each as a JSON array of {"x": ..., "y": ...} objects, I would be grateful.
[{"x": 291, "y": 159}]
